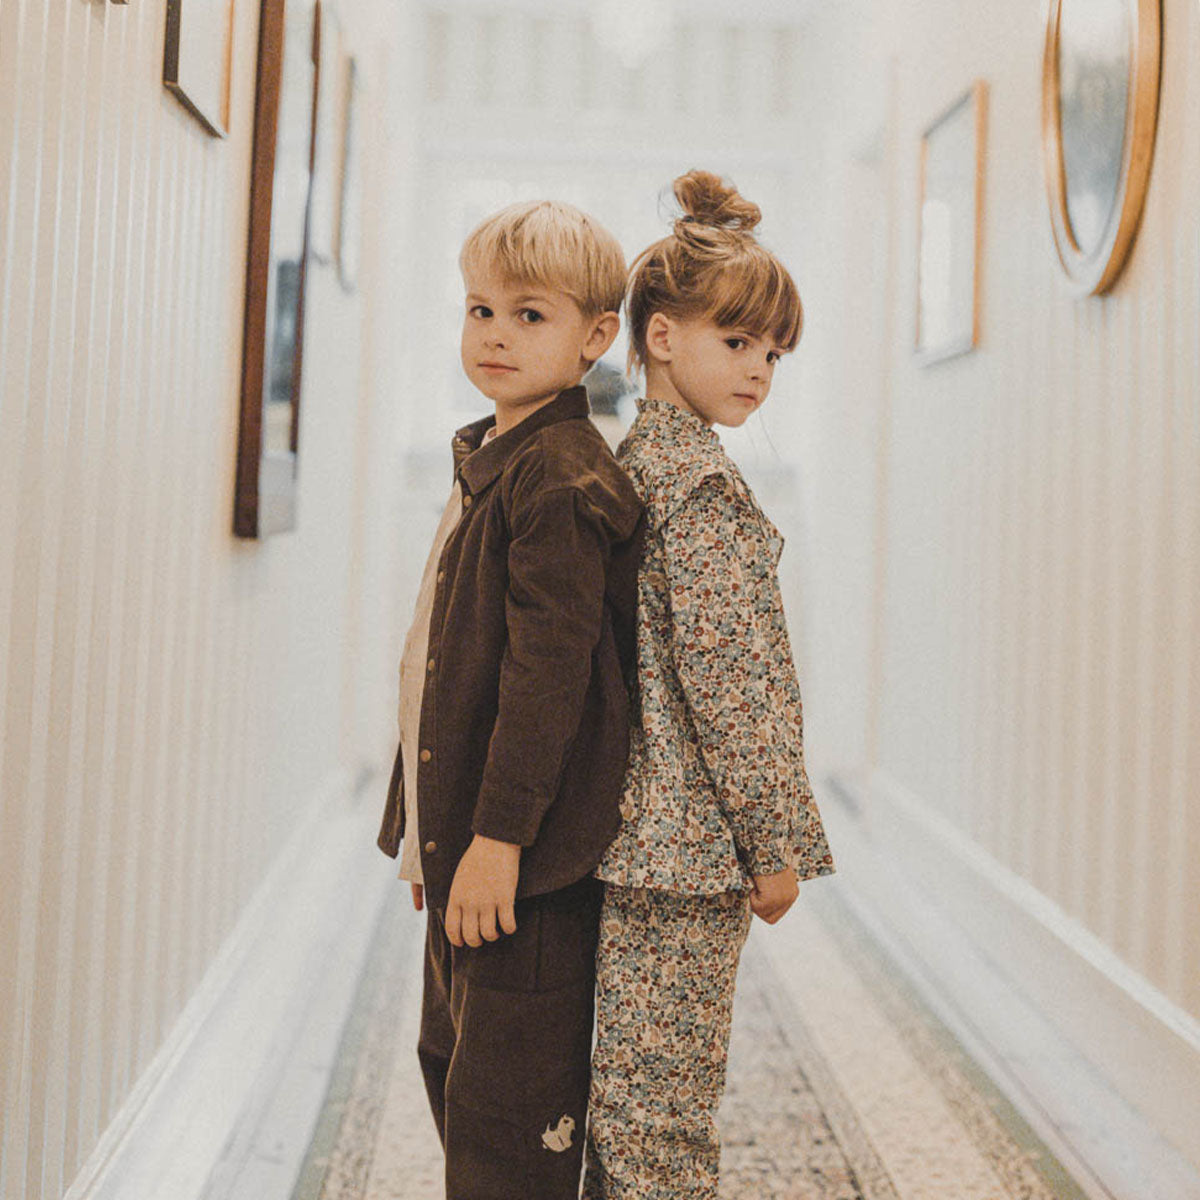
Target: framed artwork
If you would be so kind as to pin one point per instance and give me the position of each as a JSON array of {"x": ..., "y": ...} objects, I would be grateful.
[
  {"x": 276, "y": 267},
  {"x": 950, "y": 228},
  {"x": 1100, "y": 80},
  {"x": 196, "y": 59},
  {"x": 326, "y": 151},
  {"x": 350, "y": 207}
]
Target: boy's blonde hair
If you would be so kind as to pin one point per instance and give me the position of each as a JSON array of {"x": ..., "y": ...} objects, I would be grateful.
[
  {"x": 553, "y": 244},
  {"x": 712, "y": 267}
]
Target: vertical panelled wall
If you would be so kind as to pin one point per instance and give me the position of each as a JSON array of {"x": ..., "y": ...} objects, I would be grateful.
[
  {"x": 170, "y": 698},
  {"x": 1033, "y": 656}
]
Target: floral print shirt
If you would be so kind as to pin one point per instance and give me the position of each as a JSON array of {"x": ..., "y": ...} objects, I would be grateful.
[{"x": 715, "y": 790}]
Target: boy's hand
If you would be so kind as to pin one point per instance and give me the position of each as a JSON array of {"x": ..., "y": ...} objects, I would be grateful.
[
  {"x": 418, "y": 890},
  {"x": 773, "y": 895},
  {"x": 482, "y": 892}
]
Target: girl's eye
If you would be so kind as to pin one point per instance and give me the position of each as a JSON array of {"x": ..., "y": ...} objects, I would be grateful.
[
  {"x": 773, "y": 356},
  {"x": 480, "y": 310},
  {"x": 531, "y": 316},
  {"x": 735, "y": 343}
]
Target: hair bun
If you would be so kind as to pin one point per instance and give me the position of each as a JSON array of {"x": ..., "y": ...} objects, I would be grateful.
[{"x": 706, "y": 199}]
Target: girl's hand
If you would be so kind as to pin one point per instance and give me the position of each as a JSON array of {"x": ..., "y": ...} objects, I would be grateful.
[
  {"x": 773, "y": 895},
  {"x": 418, "y": 891}
]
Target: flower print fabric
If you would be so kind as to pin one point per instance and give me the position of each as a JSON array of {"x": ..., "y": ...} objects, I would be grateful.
[
  {"x": 716, "y": 789},
  {"x": 665, "y": 971}
]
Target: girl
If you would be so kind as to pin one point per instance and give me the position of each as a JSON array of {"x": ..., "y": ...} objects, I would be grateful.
[{"x": 718, "y": 819}]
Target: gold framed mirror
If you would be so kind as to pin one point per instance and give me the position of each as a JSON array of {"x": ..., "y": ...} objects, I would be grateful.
[{"x": 1100, "y": 85}]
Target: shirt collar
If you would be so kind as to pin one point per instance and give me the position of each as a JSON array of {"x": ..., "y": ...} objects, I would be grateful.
[
  {"x": 478, "y": 465},
  {"x": 669, "y": 452},
  {"x": 681, "y": 422}
]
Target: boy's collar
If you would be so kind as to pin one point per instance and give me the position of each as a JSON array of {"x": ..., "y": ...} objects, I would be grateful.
[{"x": 478, "y": 465}]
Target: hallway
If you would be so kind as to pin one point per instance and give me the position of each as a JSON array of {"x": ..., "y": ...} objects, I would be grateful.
[{"x": 230, "y": 313}]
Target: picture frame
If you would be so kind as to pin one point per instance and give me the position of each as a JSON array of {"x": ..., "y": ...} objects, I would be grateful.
[
  {"x": 276, "y": 268},
  {"x": 950, "y": 228},
  {"x": 329, "y": 129},
  {"x": 1100, "y": 95},
  {"x": 350, "y": 203},
  {"x": 198, "y": 58}
]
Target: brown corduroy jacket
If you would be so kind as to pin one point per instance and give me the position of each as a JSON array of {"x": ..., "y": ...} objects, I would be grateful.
[{"x": 524, "y": 717}]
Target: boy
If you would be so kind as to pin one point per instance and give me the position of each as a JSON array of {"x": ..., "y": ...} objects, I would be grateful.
[{"x": 513, "y": 712}]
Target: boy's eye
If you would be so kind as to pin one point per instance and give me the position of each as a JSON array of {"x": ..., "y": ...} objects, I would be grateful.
[
  {"x": 773, "y": 356},
  {"x": 480, "y": 310},
  {"x": 530, "y": 316},
  {"x": 735, "y": 343}
]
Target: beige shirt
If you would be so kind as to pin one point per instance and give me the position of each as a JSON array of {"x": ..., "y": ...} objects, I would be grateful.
[{"x": 413, "y": 665}]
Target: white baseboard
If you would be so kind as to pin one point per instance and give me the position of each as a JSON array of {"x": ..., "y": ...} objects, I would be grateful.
[
  {"x": 171, "y": 1130},
  {"x": 1146, "y": 1047}
]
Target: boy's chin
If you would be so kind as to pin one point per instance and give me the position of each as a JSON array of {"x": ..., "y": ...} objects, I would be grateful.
[{"x": 518, "y": 398}]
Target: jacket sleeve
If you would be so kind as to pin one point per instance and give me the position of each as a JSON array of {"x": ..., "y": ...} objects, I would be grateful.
[
  {"x": 391, "y": 829},
  {"x": 557, "y": 560},
  {"x": 732, "y": 678}
]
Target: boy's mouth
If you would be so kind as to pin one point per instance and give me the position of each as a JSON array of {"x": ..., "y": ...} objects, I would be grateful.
[{"x": 495, "y": 366}]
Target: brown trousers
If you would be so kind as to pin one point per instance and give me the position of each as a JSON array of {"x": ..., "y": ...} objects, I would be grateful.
[{"x": 505, "y": 1047}]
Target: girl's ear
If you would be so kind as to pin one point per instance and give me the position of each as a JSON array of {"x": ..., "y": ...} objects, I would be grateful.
[
  {"x": 658, "y": 337},
  {"x": 601, "y": 335}
]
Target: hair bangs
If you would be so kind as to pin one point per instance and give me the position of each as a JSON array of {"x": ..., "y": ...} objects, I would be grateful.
[
  {"x": 758, "y": 295},
  {"x": 554, "y": 246}
]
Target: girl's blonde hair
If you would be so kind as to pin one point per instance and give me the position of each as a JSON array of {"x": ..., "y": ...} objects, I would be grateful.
[
  {"x": 712, "y": 267},
  {"x": 555, "y": 245}
]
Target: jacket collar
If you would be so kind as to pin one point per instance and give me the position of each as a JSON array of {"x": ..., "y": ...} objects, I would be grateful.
[{"x": 478, "y": 465}]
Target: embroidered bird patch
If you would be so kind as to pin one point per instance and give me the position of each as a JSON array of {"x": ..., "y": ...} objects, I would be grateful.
[{"x": 558, "y": 1139}]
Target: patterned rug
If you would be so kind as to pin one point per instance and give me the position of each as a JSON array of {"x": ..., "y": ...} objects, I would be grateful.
[{"x": 842, "y": 1084}]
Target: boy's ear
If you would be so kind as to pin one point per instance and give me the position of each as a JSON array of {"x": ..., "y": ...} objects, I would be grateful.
[
  {"x": 601, "y": 336},
  {"x": 658, "y": 337}
]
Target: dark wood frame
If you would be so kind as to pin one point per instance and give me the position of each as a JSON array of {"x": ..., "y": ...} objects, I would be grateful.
[
  {"x": 327, "y": 151},
  {"x": 265, "y": 487}
]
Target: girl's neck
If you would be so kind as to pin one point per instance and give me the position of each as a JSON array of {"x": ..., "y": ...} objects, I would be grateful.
[{"x": 659, "y": 386}]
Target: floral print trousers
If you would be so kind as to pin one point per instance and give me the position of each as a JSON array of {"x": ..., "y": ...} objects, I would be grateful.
[{"x": 665, "y": 972}]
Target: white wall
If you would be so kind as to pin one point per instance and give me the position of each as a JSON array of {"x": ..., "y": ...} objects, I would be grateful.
[
  {"x": 1027, "y": 668},
  {"x": 172, "y": 701}
]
